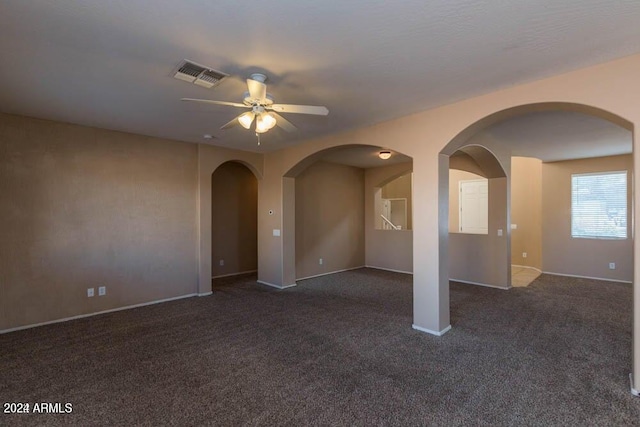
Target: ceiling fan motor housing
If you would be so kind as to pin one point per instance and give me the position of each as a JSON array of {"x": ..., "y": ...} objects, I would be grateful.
[
  {"x": 259, "y": 77},
  {"x": 262, "y": 108},
  {"x": 248, "y": 100}
]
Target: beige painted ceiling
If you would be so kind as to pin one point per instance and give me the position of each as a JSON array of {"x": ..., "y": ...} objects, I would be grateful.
[
  {"x": 109, "y": 63},
  {"x": 558, "y": 135},
  {"x": 363, "y": 156}
]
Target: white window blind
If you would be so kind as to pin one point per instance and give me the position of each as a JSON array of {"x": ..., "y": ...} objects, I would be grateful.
[{"x": 599, "y": 205}]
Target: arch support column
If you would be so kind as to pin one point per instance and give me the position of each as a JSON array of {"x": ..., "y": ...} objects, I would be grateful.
[
  {"x": 635, "y": 373},
  {"x": 276, "y": 216},
  {"x": 430, "y": 255},
  {"x": 288, "y": 231}
]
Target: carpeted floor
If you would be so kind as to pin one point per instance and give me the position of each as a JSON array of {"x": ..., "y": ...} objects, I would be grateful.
[{"x": 336, "y": 350}]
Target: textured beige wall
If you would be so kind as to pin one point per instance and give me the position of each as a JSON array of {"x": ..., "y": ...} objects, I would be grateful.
[
  {"x": 84, "y": 207},
  {"x": 563, "y": 254},
  {"x": 526, "y": 211},
  {"x": 329, "y": 216},
  {"x": 400, "y": 188},
  {"x": 482, "y": 258},
  {"x": 234, "y": 214},
  {"x": 455, "y": 176},
  {"x": 388, "y": 249}
]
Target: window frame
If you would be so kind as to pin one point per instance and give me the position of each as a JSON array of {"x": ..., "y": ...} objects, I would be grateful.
[{"x": 626, "y": 201}]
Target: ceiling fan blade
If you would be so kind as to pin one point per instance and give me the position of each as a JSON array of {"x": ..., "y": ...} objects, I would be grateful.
[
  {"x": 298, "y": 109},
  {"x": 284, "y": 123},
  {"x": 231, "y": 123},
  {"x": 209, "y": 101},
  {"x": 257, "y": 90}
]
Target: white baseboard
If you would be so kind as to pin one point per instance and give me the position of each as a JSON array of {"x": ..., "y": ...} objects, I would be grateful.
[
  {"x": 633, "y": 390},
  {"x": 234, "y": 274},
  {"x": 467, "y": 282},
  {"x": 273, "y": 285},
  {"x": 205, "y": 294},
  {"x": 97, "y": 313},
  {"x": 330, "y": 272},
  {"x": 389, "y": 269},
  {"x": 527, "y": 266},
  {"x": 429, "y": 331},
  {"x": 586, "y": 277}
]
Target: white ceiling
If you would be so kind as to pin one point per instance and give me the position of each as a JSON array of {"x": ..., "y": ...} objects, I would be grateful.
[{"x": 109, "y": 64}]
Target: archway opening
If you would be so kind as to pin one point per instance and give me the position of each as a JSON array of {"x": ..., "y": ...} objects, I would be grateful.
[
  {"x": 542, "y": 147},
  {"x": 330, "y": 205},
  {"x": 234, "y": 211},
  {"x": 579, "y": 189}
]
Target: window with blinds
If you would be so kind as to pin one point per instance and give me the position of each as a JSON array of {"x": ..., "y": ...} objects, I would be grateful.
[{"x": 599, "y": 205}]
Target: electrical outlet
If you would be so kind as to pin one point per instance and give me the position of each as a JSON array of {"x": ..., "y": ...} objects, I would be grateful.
[
  {"x": 320, "y": 261},
  {"x": 612, "y": 266},
  {"x": 102, "y": 290},
  {"x": 90, "y": 292},
  {"x": 524, "y": 254},
  {"x": 221, "y": 262},
  {"x": 500, "y": 232}
]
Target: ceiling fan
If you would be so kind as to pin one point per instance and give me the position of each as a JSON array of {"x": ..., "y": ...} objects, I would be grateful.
[{"x": 262, "y": 108}]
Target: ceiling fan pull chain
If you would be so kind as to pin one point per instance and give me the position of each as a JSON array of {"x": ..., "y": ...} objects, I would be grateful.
[{"x": 258, "y": 135}]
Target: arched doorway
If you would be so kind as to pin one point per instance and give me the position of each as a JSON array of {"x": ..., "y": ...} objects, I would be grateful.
[
  {"x": 330, "y": 214},
  {"x": 234, "y": 212},
  {"x": 209, "y": 159},
  {"x": 504, "y": 152}
]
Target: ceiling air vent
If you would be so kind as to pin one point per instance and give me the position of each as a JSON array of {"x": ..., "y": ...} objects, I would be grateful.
[{"x": 198, "y": 74}]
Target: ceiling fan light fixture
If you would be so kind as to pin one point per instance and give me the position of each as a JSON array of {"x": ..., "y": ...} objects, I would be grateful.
[
  {"x": 384, "y": 154},
  {"x": 245, "y": 119},
  {"x": 264, "y": 122},
  {"x": 259, "y": 101}
]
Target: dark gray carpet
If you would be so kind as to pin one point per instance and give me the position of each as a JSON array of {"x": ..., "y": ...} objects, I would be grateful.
[{"x": 336, "y": 350}]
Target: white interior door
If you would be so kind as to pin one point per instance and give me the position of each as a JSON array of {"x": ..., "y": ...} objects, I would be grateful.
[{"x": 474, "y": 206}]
